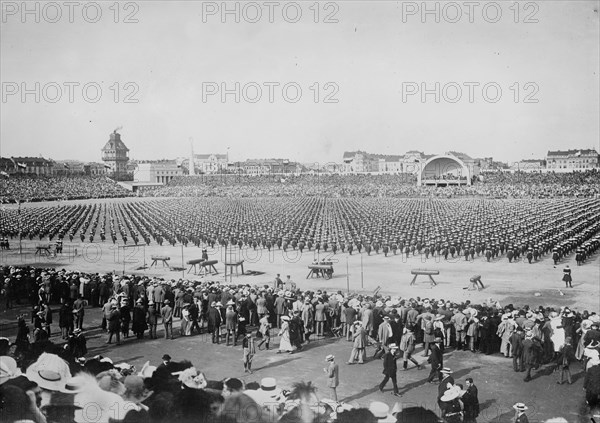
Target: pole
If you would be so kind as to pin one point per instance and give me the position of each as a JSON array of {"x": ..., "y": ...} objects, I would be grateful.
[
  {"x": 182, "y": 266},
  {"x": 361, "y": 271},
  {"x": 20, "y": 228},
  {"x": 347, "y": 277}
]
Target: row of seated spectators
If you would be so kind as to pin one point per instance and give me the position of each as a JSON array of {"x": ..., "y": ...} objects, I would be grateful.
[
  {"x": 42, "y": 188},
  {"x": 495, "y": 185}
]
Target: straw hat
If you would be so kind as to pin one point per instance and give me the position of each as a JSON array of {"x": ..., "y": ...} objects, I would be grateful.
[
  {"x": 520, "y": 406},
  {"x": 74, "y": 385},
  {"x": 330, "y": 357},
  {"x": 50, "y": 372}
]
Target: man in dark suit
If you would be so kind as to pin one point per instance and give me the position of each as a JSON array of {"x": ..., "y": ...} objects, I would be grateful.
[
  {"x": 516, "y": 347},
  {"x": 214, "y": 322},
  {"x": 471, "y": 401},
  {"x": 436, "y": 359},
  {"x": 390, "y": 368},
  {"x": 166, "y": 313}
]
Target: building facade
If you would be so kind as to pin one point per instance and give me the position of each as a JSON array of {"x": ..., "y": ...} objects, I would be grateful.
[
  {"x": 157, "y": 172},
  {"x": 528, "y": 165},
  {"x": 258, "y": 167},
  {"x": 27, "y": 165},
  {"x": 572, "y": 160}
]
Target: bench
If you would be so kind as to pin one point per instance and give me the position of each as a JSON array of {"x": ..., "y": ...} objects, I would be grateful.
[
  {"x": 424, "y": 272},
  {"x": 208, "y": 266},
  {"x": 233, "y": 265},
  {"x": 45, "y": 248},
  {"x": 163, "y": 259},
  {"x": 193, "y": 264}
]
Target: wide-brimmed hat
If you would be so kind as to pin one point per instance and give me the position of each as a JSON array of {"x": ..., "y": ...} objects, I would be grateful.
[
  {"x": 8, "y": 369},
  {"x": 446, "y": 370},
  {"x": 330, "y": 357},
  {"x": 50, "y": 372},
  {"x": 393, "y": 346},
  {"x": 230, "y": 303},
  {"x": 451, "y": 394},
  {"x": 147, "y": 370},
  {"x": 438, "y": 339},
  {"x": 61, "y": 400},
  {"x": 166, "y": 357},
  {"x": 192, "y": 378},
  {"x": 520, "y": 406},
  {"x": 381, "y": 411},
  {"x": 285, "y": 318},
  {"x": 74, "y": 385}
]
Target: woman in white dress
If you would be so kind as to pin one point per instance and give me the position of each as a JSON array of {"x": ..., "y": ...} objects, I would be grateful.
[
  {"x": 186, "y": 324},
  {"x": 558, "y": 334},
  {"x": 284, "y": 343}
]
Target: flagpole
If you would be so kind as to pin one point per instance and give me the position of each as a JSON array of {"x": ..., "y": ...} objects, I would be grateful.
[{"x": 20, "y": 229}]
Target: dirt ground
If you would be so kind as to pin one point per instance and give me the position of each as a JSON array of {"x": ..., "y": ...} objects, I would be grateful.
[{"x": 518, "y": 283}]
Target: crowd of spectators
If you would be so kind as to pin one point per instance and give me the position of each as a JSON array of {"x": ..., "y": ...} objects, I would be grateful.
[
  {"x": 47, "y": 392},
  {"x": 28, "y": 188},
  {"x": 494, "y": 185}
]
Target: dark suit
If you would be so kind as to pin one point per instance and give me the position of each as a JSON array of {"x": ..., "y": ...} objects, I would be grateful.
[
  {"x": 389, "y": 370},
  {"x": 522, "y": 419},
  {"x": 516, "y": 344},
  {"x": 214, "y": 324},
  {"x": 437, "y": 362},
  {"x": 471, "y": 401}
]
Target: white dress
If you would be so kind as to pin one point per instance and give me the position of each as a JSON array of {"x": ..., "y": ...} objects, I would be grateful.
[
  {"x": 558, "y": 337},
  {"x": 284, "y": 342}
]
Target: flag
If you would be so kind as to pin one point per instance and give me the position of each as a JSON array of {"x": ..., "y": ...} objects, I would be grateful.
[
  {"x": 106, "y": 166},
  {"x": 22, "y": 165},
  {"x": 578, "y": 153}
]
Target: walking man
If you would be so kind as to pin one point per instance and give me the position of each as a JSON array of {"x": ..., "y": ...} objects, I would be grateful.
[
  {"x": 360, "y": 343},
  {"x": 436, "y": 359},
  {"x": 390, "y": 368},
  {"x": 332, "y": 371}
]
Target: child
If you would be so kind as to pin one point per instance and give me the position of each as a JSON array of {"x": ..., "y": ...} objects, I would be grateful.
[{"x": 249, "y": 351}]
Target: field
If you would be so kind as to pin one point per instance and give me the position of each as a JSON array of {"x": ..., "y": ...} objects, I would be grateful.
[{"x": 518, "y": 283}]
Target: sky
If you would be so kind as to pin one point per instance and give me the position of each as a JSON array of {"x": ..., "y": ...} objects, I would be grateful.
[{"x": 364, "y": 76}]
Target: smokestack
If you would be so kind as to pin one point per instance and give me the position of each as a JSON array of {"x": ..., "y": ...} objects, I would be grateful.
[
  {"x": 118, "y": 128},
  {"x": 192, "y": 165}
]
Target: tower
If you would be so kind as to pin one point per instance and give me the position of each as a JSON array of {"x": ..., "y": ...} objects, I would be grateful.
[
  {"x": 115, "y": 154},
  {"x": 192, "y": 165}
]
